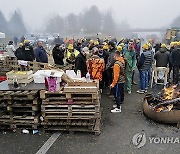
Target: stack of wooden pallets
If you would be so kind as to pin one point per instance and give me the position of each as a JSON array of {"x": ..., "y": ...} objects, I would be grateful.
[
  {"x": 76, "y": 108},
  {"x": 19, "y": 109},
  {"x": 12, "y": 64}
]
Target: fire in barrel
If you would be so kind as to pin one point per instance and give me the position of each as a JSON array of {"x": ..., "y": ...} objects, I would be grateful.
[{"x": 163, "y": 106}]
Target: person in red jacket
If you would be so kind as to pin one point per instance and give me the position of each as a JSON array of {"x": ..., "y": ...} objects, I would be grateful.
[{"x": 118, "y": 81}]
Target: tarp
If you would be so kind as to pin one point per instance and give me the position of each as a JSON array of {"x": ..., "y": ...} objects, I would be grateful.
[{"x": 2, "y": 35}]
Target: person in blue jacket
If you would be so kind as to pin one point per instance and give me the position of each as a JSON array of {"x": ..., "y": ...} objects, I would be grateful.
[{"x": 40, "y": 53}]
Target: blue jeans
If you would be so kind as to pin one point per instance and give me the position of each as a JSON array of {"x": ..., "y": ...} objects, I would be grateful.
[
  {"x": 143, "y": 79},
  {"x": 119, "y": 94}
]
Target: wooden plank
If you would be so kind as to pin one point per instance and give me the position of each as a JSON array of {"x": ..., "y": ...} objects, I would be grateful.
[
  {"x": 79, "y": 94},
  {"x": 71, "y": 129},
  {"x": 21, "y": 95},
  {"x": 24, "y": 125},
  {"x": 85, "y": 84},
  {"x": 46, "y": 94},
  {"x": 66, "y": 117},
  {"x": 76, "y": 89},
  {"x": 54, "y": 102}
]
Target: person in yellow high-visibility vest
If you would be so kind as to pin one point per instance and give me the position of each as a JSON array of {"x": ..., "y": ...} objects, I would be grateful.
[{"x": 71, "y": 54}]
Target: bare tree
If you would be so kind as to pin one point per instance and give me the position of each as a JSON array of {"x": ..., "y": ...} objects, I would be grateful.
[
  {"x": 16, "y": 24},
  {"x": 92, "y": 20},
  {"x": 3, "y": 23},
  {"x": 72, "y": 24},
  {"x": 108, "y": 23},
  {"x": 55, "y": 24}
]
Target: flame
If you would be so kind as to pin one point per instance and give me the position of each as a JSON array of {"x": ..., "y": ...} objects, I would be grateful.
[
  {"x": 169, "y": 93},
  {"x": 169, "y": 107},
  {"x": 169, "y": 96},
  {"x": 159, "y": 109}
]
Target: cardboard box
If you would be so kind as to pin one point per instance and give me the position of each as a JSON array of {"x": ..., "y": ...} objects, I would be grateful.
[{"x": 21, "y": 76}]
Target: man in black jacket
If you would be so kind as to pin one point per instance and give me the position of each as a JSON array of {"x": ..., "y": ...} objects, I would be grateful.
[
  {"x": 162, "y": 57},
  {"x": 58, "y": 55},
  {"x": 80, "y": 62},
  {"x": 104, "y": 53},
  {"x": 110, "y": 61},
  {"x": 19, "y": 53},
  {"x": 144, "y": 65},
  {"x": 175, "y": 60}
]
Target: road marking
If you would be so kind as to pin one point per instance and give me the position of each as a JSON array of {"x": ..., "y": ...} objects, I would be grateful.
[{"x": 48, "y": 143}]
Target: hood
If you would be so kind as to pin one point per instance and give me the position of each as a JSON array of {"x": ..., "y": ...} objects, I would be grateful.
[
  {"x": 121, "y": 59},
  {"x": 163, "y": 50}
]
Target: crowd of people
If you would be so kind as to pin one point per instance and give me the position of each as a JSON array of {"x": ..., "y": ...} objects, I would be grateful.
[{"x": 113, "y": 63}]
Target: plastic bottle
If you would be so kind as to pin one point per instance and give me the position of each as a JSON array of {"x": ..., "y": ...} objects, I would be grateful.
[
  {"x": 88, "y": 76},
  {"x": 15, "y": 81},
  {"x": 25, "y": 131},
  {"x": 78, "y": 74},
  {"x": 35, "y": 131}
]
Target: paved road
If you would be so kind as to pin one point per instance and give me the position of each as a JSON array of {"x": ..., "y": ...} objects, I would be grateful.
[{"x": 116, "y": 137}]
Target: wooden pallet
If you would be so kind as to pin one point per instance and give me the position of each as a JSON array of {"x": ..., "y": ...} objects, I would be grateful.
[
  {"x": 71, "y": 122},
  {"x": 21, "y": 109},
  {"x": 5, "y": 119},
  {"x": 34, "y": 102},
  {"x": 78, "y": 89},
  {"x": 19, "y": 95},
  {"x": 3, "y": 104},
  {"x": 4, "y": 95},
  {"x": 12, "y": 121},
  {"x": 12, "y": 63},
  {"x": 26, "y": 119},
  {"x": 30, "y": 110},
  {"x": 94, "y": 83},
  {"x": 70, "y": 111},
  {"x": 74, "y": 101},
  {"x": 94, "y": 96},
  {"x": 24, "y": 126},
  {"x": 45, "y": 94},
  {"x": 4, "y": 69},
  {"x": 19, "y": 126},
  {"x": 75, "y": 127},
  {"x": 25, "y": 107}
]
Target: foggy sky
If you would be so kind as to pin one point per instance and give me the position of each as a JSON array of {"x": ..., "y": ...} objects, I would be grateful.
[{"x": 138, "y": 13}]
